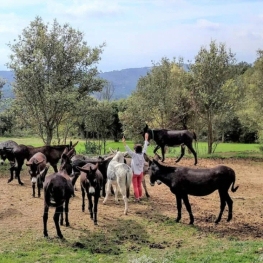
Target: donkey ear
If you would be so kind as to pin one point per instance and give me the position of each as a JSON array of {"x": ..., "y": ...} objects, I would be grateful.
[
  {"x": 95, "y": 167},
  {"x": 28, "y": 163},
  {"x": 72, "y": 146}
]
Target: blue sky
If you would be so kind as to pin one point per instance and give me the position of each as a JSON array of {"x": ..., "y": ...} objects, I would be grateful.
[{"x": 138, "y": 32}]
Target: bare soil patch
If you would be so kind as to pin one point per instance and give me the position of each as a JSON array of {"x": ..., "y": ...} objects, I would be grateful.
[{"x": 20, "y": 212}]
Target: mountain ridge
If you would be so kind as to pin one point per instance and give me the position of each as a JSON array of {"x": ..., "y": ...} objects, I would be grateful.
[{"x": 124, "y": 81}]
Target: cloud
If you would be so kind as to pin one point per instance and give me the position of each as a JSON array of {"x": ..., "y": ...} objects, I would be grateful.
[{"x": 204, "y": 23}]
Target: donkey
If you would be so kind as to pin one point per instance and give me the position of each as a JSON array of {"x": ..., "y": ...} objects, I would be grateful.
[
  {"x": 38, "y": 169},
  {"x": 23, "y": 152},
  {"x": 58, "y": 189},
  {"x": 103, "y": 163},
  {"x": 127, "y": 160},
  {"x": 91, "y": 182},
  {"x": 6, "y": 145},
  {"x": 145, "y": 171},
  {"x": 184, "y": 181},
  {"x": 171, "y": 138},
  {"x": 120, "y": 174}
]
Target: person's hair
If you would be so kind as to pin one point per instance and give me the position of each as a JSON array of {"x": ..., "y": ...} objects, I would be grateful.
[{"x": 138, "y": 148}]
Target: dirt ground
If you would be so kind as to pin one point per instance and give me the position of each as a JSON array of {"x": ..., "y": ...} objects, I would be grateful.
[{"x": 19, "y": 210}]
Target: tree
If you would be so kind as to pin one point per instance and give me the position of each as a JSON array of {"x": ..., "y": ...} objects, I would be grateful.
[
  {"x": 251, "y": 106},
  {"x": 211, "y": 70},
  {"x": 107, "y": 92},
  {"x": 161, "y": 98},
  {"x": 2, "y": 83},
  {"x": 54, "y": 68},
  {"x": 99, "y": 119}
]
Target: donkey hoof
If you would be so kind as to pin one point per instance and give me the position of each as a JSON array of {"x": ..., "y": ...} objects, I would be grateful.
[
  {"x": 9, "y": 180},
  {"x": 67, "y": 224},
  {"x": 21, "y": 183},
  {"x": 95, "y": 223}
]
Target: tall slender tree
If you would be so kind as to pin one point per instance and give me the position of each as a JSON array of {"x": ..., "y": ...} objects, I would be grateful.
[{"x": 212, "y": 68}]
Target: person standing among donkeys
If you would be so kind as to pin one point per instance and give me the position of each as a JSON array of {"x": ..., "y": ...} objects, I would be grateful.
[{"x": 137, "y": 164}]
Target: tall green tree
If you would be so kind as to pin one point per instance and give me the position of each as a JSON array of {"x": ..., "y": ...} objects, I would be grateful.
[
  {"x": 54, "y": 68},
  {"x": 213, "y": 67},
  {"x": 99, "y": 119},
  {"x": 251, "y": 108},
  {"x": 161, "y": 98}
]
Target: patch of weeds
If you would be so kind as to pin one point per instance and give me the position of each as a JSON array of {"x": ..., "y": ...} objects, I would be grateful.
[{"x": 147, "y": 259}]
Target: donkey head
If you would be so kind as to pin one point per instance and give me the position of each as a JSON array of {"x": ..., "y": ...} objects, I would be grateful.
[
  {"x": 147, "y": 130},
  {"x": 91, "y": 177},
  {"x": 66, "y": 164}
]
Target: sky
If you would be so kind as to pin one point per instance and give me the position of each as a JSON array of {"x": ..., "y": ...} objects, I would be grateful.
[{"x": 139, "y": 33}]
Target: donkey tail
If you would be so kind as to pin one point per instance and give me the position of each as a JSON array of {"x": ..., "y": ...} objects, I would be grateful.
[
  {"x": 233, "y": 189},
  {"x": 194, "y": 136}
]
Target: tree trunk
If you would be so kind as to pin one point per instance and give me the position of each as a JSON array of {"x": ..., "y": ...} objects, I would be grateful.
[
  {"x": 49, "y": 136},
  {"x": 210, "y": 134}
]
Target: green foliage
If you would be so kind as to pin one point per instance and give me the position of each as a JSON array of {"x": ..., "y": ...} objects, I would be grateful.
[
  {"x": 212, "y": 69},
  {"x": 92, "y": 148},
  {"x": 53, "y": 68},
  {"x": 161, "y": 99}
]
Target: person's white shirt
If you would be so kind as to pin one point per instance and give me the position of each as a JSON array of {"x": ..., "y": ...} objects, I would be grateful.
[{"x": 137, "y": 162}]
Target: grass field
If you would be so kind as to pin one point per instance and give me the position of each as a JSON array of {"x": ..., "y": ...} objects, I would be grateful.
[{"x": 223, "y": 150}]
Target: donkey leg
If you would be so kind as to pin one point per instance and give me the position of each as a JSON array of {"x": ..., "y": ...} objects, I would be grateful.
[
  {"x": 58, "y": 212},
  {"x": 188, "y": 208},
  {"x": 66, "y": 212},
  {"x": 190, "y": 147},
  {"x": 230, "y": 207},
  {"x": 34, "y": 189},
  {"x": 45, "y": 218},
  {"x": 108, "y": 187},
  {"x": 12, "y": 168},
  {"x": 182, "y": 153},
  {"x": 18, "y": 170},
  {"x": 163, "y": 152},
  {"x": 96, "y": 200},
  {"x": 62, "y": 216},
  {"x": 125, "y": 199},
  {"x": 83, "y": 198},
  {"x": 38, "y": 190},
  {"x": 155, "y": 151},
  {"x": 179, "y": 207},
  {"x": 116, "y": 194},
  {"x": 90, "y": 206},
  {"x": 222, "y": 205},
  {"x": 144, "y": 186}
]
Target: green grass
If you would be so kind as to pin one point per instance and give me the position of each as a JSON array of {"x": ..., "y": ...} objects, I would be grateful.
[
  {"x": 141, "y": 241},
  {"x": 223, "y": 150}
]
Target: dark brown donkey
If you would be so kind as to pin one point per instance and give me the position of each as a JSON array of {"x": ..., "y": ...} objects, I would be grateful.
[
  {"x": 58, "y": 189},
  {"x": 171, "y": 138},
  {"x": 37, "y": 169},
  {"x": 22, "y": 152},
  {"x": 184, "y": 181},
  {"x": 91, "y": 182}
]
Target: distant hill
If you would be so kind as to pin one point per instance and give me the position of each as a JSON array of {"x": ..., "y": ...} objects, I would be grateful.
[{"x": 124, "y": 81}]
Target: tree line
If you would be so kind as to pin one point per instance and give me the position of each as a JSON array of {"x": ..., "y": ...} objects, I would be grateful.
[{"x": 56, "y": 75}]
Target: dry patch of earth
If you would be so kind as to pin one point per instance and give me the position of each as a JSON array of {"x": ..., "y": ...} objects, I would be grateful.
[{"x": 20, "y": 212}]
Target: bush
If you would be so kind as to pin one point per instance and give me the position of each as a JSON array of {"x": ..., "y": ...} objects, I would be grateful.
[{"x": 92, "y": 148}]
